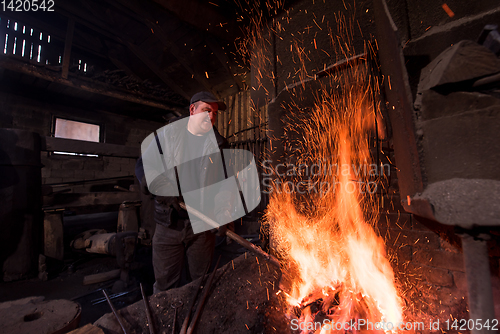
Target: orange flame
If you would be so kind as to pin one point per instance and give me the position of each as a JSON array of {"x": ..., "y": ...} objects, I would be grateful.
[{"x": 323, "y": 229}]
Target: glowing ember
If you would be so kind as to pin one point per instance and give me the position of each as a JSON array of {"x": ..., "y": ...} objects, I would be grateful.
[{"x": 335, "y": 263}]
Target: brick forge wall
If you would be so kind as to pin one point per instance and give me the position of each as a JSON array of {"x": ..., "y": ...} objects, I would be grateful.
[
  {"x": 428, "y": 266},
  {"x": 427, "y": 259},
  {"x": 29, "y": 114},
  {"x": 428, "y": 263}
]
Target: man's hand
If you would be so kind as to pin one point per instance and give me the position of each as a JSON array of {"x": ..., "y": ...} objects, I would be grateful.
[
  {"x": 161, "y": 186},
  {"x": 221, "y": 232},
  {"x": 222, "y": 218}
]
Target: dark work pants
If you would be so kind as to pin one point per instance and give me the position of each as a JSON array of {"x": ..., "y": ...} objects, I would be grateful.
[{"x": 169, "y": 247}]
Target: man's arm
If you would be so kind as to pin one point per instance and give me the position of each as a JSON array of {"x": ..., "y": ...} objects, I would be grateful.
[{"x": 154, "y": 174}]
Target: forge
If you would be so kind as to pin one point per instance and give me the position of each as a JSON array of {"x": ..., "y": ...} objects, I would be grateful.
[
  {"x": 374, "y": 127},
  {"x": 381, "y": 174}
]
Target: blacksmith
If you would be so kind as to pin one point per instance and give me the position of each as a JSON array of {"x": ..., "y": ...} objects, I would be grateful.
[{"x": 187, "y": 160}]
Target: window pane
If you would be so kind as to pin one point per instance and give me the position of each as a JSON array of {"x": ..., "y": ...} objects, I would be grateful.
[{"x": 76, "y": 130}]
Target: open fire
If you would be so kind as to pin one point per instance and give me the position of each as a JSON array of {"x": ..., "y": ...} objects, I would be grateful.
[{"x": 322, "y": 222}]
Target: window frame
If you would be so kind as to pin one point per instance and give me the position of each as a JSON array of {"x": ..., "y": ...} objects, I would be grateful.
[{"x": 79, "y": 120}]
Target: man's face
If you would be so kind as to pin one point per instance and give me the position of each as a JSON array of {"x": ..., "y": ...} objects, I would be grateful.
[{"x": 203, "y": 116}]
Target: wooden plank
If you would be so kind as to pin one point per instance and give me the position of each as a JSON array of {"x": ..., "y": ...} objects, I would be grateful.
[
  {"x": 227, "y": 116},
  {"x": 53, "y": 234},
  {"x": 233, "y": 111},
  {"x": 67, "y": 47},
  {"x": 238, "y": 125},
  {"x": 73, "y": 200},
  {"x": 51, "y": 144},
  {"x": 244, "y": 116},
  {"x": 101, "y": 277},
  {"x": 87, "y": 329}
]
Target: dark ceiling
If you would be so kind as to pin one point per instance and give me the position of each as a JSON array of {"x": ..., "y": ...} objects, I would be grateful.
[{"x": 166, "y": 49}]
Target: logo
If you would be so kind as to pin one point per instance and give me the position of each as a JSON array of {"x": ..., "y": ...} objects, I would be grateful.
[{"x": 178, "y": 163}]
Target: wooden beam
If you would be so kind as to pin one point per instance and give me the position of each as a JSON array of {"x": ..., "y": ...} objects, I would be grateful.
[
  {"x": 74, "y": 200},
  {"x": 196, "y": 12},
  {"x": 101, "y": 277},
  {"x": 224, "y": 60},
  {"x": 67, "y": 47},
  {"x": 53, "y": 31},
  {"x": 87, "y": 329},
  {"x": 159, "y": 72},
  {"x": 95, "y": 87},
  {"x": 80, "y": 146},
  {"x": 89, "y": 21},
  {"x": 163, "y": 37},
  {"x": 103, "y": 28}
]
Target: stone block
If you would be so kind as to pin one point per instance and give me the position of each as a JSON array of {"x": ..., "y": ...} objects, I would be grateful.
[
  {"x": 417, "y": 225},
  {"x": 73, "y": 164},
  {"x": 128, "y": 168},
  {"x": 399, "y": 221},
  {"x": 95, "y": 164},
  {"x": 46, "y": 172},
  {"x": 404, "y": 254},
  {"x": 450, "y": 296},
  {"x": 445, "y": 245},
  {"x": 111, "y": 166},
  {"x": 63, "y": 173},
  {"x": 87, "y": 174},
  {"x": 52, "y": 163},
  {"x": 395, "y": 239},
  {"x": 437, "y": 276},
  {"x": 72, "y": 179},
  {"x": 51, "y": 180},
  {"x": 440, "y": 259},
  {"x": 392, "y": 203},
  {"x": 460, "y": 280},
  {"x": 423, "y": 239}
]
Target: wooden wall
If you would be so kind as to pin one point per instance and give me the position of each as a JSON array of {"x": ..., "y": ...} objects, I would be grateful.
[{"x": 246, "y": 128}]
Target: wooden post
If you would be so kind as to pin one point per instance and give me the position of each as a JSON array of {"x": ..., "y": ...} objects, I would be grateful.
[{"x": 67, "y": 47}]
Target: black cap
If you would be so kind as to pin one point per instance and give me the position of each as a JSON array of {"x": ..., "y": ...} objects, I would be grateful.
[{"x": 208, "y": 98}]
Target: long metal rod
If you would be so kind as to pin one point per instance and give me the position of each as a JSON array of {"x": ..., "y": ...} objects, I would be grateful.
[
  {"x": 116, "y": 295},
  {"x": 148, "y": 311},
  {"x": 114, "y": 312},
  {"x": 248, "y": 245},
  {"x": 191, "y": 304},
  {"x": 202, "y": 300}
]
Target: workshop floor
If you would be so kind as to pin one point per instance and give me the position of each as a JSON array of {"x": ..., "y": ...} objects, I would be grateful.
[{"x": 65, "y": 280}]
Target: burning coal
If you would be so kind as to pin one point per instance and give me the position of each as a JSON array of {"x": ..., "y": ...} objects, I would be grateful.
[{"x": 336, "y": 267}]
